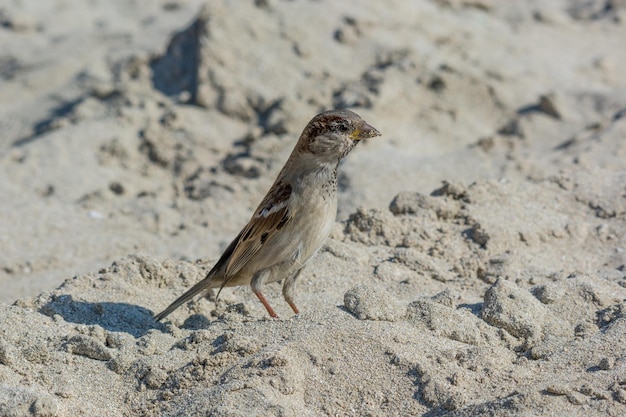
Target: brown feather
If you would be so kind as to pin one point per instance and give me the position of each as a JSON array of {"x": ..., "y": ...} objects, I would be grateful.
[{"x": 271, "y": 215}]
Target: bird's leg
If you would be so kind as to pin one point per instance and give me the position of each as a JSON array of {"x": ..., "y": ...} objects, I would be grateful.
[
  {"x": 293, "y": 307},
  {"x": 257, "y": 282},
  {"x": 289, "y": 290},
  {"x": 267, "y": 305}
]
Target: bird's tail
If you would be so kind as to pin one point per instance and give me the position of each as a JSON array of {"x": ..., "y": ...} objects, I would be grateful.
[{"x": 201, "y": 286}]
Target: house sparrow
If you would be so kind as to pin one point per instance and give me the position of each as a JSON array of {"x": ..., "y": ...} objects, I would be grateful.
[{"x": 295, "y": 217}]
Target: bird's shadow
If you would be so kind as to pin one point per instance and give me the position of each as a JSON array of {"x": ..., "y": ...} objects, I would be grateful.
[{"x": 114, "y": 317}]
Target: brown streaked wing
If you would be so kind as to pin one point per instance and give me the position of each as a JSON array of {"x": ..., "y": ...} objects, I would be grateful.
[{"x": 271, "y": 215}]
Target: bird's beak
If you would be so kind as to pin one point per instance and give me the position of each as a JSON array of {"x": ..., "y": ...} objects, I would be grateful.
[{"x": 363, "y": 132}]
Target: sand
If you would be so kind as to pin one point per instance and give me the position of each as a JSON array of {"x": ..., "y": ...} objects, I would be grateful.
[{"x": 477, "y": 266}]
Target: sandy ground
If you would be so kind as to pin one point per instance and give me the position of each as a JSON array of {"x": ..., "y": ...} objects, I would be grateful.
[{"x": 478, "y": 264}]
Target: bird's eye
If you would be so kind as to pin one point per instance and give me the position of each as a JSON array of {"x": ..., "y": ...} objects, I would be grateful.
[{"x": 343, "y": 127}]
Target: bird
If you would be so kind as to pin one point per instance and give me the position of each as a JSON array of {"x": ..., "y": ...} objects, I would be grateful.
[{"x": 294, "y": 218}]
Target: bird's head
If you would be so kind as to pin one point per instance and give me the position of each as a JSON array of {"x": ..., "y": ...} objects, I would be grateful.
[{"x": 330, "y": 135}]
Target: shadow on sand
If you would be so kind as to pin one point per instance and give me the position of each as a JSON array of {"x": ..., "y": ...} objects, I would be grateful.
[{"x": 114, "y": 317}]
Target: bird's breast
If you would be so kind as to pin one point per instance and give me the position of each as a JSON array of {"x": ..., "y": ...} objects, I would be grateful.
[{"x": 315, "y": 222}]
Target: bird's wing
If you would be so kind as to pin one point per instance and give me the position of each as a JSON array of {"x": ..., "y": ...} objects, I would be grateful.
[{"x": 270, "y": 217}]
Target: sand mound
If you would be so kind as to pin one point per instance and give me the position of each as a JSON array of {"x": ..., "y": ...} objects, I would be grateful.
[{"x": 433, "y": 319}]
